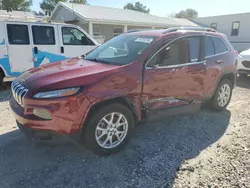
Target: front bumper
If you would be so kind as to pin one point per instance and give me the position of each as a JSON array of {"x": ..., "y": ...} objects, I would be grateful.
[
  {"x": 243, "y": 63},
  {"x": 36, "y": 135},
  {"x": 67, "y": 114},
  {"x": 243, "y": 71}
]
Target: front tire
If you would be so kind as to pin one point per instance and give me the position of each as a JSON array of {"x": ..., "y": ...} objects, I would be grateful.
[
  {"x": 222, "y": 95},
  {"x": 108, "y": 129}
]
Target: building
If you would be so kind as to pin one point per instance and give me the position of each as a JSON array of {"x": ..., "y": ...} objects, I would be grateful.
[
  {"x": 103, "y": 23},
  {"x": 235, "y": 26}
]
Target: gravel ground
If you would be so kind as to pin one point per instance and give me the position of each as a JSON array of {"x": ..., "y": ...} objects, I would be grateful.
[{"x": 205, "y": 149}]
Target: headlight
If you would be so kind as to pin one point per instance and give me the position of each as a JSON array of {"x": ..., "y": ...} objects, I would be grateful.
[{"x": 57, "y": 93}]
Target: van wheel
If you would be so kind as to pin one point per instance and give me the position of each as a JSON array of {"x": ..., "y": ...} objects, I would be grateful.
[
  {"x": 222, "y": 95},
  {"x": 109, "y": 129}
]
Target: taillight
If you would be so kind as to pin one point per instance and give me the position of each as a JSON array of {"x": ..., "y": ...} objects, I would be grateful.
[{"x": 237, "y": 53}]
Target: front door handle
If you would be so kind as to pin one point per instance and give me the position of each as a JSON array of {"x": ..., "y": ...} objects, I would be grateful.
[{"x": 219, "y": 61}]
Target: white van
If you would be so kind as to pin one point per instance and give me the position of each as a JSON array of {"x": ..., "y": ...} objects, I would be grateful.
[{"x": 24, "y": 45}]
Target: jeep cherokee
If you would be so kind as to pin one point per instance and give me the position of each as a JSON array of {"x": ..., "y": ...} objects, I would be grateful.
[{"x": 135, "y": 76}]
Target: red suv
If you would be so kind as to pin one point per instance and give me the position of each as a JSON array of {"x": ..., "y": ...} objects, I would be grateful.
[{"x": 137, "y": 75}]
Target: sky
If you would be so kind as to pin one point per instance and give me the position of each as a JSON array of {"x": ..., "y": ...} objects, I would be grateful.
[{"x": 168, "y": 7}]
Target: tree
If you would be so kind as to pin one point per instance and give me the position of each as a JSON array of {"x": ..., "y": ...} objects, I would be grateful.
[
  {"x": 138, "y": 7},
  {"x": 188, "y": 13},
  {"x": 50, "y": 4},
  {"x": 79, "y": 1},
  {"x": 21, "y": 5}
]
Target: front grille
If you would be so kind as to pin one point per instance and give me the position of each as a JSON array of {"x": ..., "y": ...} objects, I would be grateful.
[
  {"x": 18, "y": 92},
  {"x": 246, "y": 64}
]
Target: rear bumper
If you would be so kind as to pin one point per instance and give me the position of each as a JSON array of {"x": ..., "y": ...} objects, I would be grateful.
[{"x": 67, "y": 115}]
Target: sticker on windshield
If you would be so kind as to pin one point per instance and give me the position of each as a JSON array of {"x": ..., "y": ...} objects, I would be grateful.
[{"x": 144, "y": 40}]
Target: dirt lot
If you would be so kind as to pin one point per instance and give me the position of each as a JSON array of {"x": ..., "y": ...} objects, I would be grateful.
[{"x": 206, "y": 149}]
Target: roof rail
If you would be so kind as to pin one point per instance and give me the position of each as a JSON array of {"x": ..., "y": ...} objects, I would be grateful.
[{"x": 173, "y": 29}]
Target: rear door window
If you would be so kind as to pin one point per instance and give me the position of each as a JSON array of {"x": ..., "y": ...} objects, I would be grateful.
[
  {"x": 18, "y": 34},
  {"x": 219, "y": 45},
  {"x": 194, "y": 48},
  {"x": 43, "y": 35},
  {"x": 209, "y": 47}
]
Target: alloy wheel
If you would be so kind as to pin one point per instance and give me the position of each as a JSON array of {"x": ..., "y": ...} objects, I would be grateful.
[
  {"x": 224, "y": 95},
  {"x": 111, "y": 130}
]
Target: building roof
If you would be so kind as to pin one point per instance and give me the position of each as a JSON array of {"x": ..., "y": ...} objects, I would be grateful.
[
  {"x": 19, "y": 15},
  {"x": 122, "y": 16},
  {"x": 224, "y": 15}
]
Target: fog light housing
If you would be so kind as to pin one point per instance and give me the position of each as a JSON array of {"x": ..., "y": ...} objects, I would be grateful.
[{"x": 42, "y": 113}]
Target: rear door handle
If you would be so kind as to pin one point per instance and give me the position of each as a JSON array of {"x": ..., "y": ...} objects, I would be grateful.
[{"x": 219, "y": 61}]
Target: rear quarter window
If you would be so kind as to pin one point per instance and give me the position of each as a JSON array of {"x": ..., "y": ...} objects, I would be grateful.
[{"x": 219, "y": 45}]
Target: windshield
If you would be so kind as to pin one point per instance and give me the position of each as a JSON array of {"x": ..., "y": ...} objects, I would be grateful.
[{"x": 120, "y": 50}]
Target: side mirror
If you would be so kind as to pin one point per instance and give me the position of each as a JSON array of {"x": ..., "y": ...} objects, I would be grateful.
[{"x": 83, "y": 56}]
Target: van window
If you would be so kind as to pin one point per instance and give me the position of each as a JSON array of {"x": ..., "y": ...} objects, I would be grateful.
[
  {"x": 18, "y": 34},
  {"x": 73, "y": 36},
  {"x": 209, "y": 47},
  {"x": 43, "y": 35},
  {"x": 219, "y": 45}
]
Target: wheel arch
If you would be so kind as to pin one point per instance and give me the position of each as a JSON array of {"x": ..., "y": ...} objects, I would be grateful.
[
  {"x": 230, "y": 76},
  {"x": 133, "y": 103}
]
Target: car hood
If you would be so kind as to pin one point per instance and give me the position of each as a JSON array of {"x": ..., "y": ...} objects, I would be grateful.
[
  {"x": 245, "y": 53},
  {"x": 68, "y": 73}
]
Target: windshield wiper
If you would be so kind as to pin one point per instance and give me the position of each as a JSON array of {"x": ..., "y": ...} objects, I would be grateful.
[
  {"x": 100, "y": 61},
  {"x": 94, "y": 59}
]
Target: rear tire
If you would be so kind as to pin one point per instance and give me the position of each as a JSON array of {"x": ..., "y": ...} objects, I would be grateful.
[
  {"x": 222, "y": 95},
  {"x": 108, "y": 129}
]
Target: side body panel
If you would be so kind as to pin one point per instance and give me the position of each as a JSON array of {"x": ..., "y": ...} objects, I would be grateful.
[
  {"x": 170, "y": 87},
  {"x": 174, "y": 85},
  {"x": 126, "y": 83}
]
